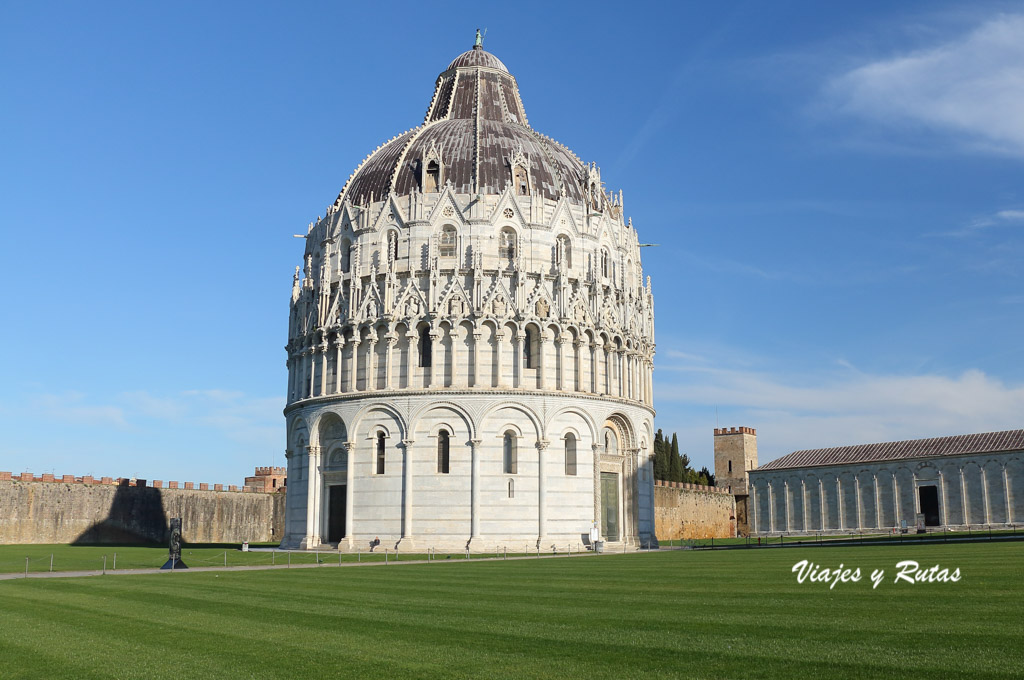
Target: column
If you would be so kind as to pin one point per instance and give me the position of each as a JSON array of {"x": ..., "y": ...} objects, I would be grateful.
[
  {"x": 407, "y": 489},
  {"x": 963, "y": 498},
  {"x": 517, "y": 359},
  {"x": 896, "y": 499},
  {"x": 984, "y": 494},
  {"x": 371, "y": 362},
  {"x": 542, "y": 338},
  {"x": 596, "y": 448},
  {"x": 453, "y": 333},
  {"x": 752, "y": 509},
  {"x": 350, "y": 475},
  {"x": 592, "y": 378},
  {"x": 577, "y": 367},
  {"x": 839, "y": 499},
  {"x": 560, "y": 373},
  {"x": 542, "y": 491},
  {"x": 312, "y": 497},
  {"x": 803, "y": 506},
  {"x": 1006, "y": 495},
  {"x": 860, "y": 506},
  {"x": 323, "y": 367},
  {"x": 414, "y": 357},
  {"x": 474, "y": 521},
  {"x": 942, "y": 495},
  {"x": 476, "y": 357},
  {"x": 353, "y": 373},
  {"x": 339, "y": 360},
  {"x": 434, "y": 335},
  {"x": 771, "y": 509},
  {"x": 290, "y": 365},
  {"x": 821, "y": 503},
  {"x": 389, "y": 361},
  {"x": 878, "y": 511},
  {"x": 499, "y": 348},
  {"x": 310, "y": 373},
  {"x": 785, "y": 504}
]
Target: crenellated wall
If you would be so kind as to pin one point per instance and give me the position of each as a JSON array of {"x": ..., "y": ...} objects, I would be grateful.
[
  {"x": 37, "y": 511},
  {"x": 692, "y": 511}
]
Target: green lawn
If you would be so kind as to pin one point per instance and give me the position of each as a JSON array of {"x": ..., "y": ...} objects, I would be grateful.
[{"x": 729, "y": 614}]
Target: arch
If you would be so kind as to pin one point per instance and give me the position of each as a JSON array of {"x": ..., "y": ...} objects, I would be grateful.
[
  {"x": 574, "y": 410},
  {"x": 431, "y": 177},
  {"x": 446, "y": 409},
  {"x": 379, "y": 409},
  {"x": 494, "y": 412},
  {"x": 447, "y": 241},
  {"x": 508, "y": 244},
  {"x": 521, "y": 180},
  {"x": 328, "y": 426},
  {"x": 622, "y": 424}
]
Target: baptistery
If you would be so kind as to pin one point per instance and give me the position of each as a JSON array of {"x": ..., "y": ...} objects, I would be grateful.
[{"x": 470, "y": 343}]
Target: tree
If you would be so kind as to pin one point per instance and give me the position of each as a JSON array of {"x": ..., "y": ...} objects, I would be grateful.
[
  {"x": 661, "y": 462},
  {"x": 708, "y": 475},
  {"x": 676, "y": 469}
]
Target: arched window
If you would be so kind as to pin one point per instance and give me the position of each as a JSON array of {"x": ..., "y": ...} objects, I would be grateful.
[
  {"x": 570, "y": 454},
  {"x": 522, "y": 181},
  {"x": 432, "y": 179},
  {"x": 509, "y": 453},
  {"x": 346, "y": 256},
  {"x": 564, "y": 252},
  {"x": 528, "y": 339},
  {"x": 446, "y": 242},
  {"x": 425, "y": 348},
  {"x": 730, "y": 466},
  {"x": 605, "y": 270},
  {"x": 442, "y": 452},
  {"x": 380, "y": 453},
  {"x": 507, "y": 245}
]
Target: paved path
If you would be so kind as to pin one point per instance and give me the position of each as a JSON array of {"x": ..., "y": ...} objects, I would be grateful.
[{"x": 264, "y": 567}]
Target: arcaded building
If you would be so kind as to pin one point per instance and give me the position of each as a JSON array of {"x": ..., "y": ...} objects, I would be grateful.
[
  {"x": 471, "y": 342},
  {"x": 955, "y": 482}
]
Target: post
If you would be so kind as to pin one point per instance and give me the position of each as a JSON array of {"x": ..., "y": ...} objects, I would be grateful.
[
  {"x": 115, "y": 562},
  {"x": 104, "y": 566},
  {"x": 385, "y": 555},
  {"x": 273, "y": 557},
  {"x": 289, "y": 559},
  {"x": 51, "y": 561},
  {"x": 225, "y": 558}
]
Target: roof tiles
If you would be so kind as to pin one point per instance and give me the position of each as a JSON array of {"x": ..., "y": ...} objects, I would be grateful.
[{"x": 959, "y": 445}]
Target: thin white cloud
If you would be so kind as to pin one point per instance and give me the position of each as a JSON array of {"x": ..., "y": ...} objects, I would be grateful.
[
  {"x": 72, "y": 408},
  {"x": 972, "y": 87},
  {"x": 1002, "y": 218},
  {"x": 795, "y": 412}
]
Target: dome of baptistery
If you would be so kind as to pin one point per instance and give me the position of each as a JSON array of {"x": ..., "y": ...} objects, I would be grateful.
[{"x": 471, "y": 342}]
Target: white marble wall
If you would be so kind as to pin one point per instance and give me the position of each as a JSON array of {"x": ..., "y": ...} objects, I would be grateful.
[
  {"x": 981, "y": 489},
  {"x": 415, "y": 507}
]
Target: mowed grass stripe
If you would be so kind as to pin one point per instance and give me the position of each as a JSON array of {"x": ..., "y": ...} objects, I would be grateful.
[{"x": 670, "y": 614}]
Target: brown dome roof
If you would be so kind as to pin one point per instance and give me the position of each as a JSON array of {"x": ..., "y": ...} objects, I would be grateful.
[
  {"x": 477, "y": 57},
  {"x": 477, "y": 125}
]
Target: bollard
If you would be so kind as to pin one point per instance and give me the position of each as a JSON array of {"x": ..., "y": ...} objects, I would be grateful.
[
  {"x": 104, "y": 565},
  {"x": 115, "y": 562},
  {"x": 359, "y": 554},
  {"x": 318, "y": 557},
  {"x": 225, "y": 558},
  {"x": 339, "y": 558},
  {"x": 289, "y": 558},
  {"x": 26, "y": 567},
  {"x": 273, "y": 557},
  {"x": 385, "y": 555},
  {"x": 506, "y": 552},
  {"x": 51, "y": 561}
]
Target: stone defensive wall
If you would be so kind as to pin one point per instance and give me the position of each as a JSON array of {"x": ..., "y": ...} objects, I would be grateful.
[
  {"x": 684, "y": 510},
  {"x": 84, "y": 510}
]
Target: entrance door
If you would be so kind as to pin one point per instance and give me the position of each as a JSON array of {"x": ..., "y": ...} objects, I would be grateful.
[
  {"x": 610, "y": 506},
  {"x": 929, "y": 497},
  {"x": 336, "y": 517}
]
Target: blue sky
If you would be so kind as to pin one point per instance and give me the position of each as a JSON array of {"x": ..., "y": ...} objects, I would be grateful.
[{"x": 837, "y": 188}]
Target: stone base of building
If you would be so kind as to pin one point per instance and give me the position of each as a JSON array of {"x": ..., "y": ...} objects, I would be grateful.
[{"x": 876, "y": 531}]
